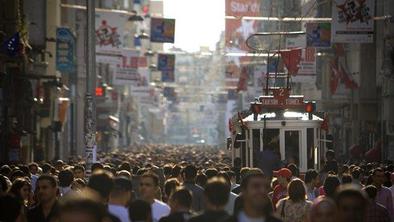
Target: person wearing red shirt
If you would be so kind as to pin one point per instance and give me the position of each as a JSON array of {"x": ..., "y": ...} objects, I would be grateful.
[{"x": 280, "y": 191}]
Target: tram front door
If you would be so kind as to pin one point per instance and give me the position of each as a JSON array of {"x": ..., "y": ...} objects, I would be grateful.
[{"x": 292, "y": 146}]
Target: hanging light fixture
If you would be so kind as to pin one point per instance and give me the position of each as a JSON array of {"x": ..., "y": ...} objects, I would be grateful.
[{"x": 135, "y": 17}]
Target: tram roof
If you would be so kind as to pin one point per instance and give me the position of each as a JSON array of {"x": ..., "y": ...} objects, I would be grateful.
[{"x": 287, "y": 115}]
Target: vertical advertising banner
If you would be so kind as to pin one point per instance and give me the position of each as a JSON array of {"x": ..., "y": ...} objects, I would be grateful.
[
  {"x": 169, "y": 93},
  {"x": 238, "y": 29},
  {"x": 162, "y": 30},
  {"x": 109, "y": 32},
  {"x": 318, "y": 35},
  {"x": 307, "y": 65},
  {"x": 352, "y": 21},
  {"x": 166, "y": 64},
  {"x": 129, "y": 69}
]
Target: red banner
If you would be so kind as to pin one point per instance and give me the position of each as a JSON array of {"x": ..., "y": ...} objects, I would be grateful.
[
  {"x": 291, "y": 59},
  {"x": 238, "y": 30}
]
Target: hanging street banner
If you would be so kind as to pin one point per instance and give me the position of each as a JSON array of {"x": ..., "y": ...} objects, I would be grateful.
[
  {"x": 65, "y": 50},
  {"x": 109, "y": 32},
  {"x": 169, "y": 93},
  {"x": 129, "y": 69},
  {"x": 166, "y": 62},
  {"x": 162, "y": 30},
  {"x": 352, "y": 21},
  {"x": 318, "y": 35},
  {"x": 167, "y": 76},
  {"x": 307, "y": 65},
  {"x": 238, "y": 30}
]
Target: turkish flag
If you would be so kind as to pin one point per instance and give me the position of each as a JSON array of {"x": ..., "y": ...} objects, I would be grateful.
[
  {"x": 243, "y": 80},
  {"x": 335, "y": 77},
  {"x": 291, "y": 59},
  {"x": 324, "y": 124},
  {"x": 349, "y": 83}
]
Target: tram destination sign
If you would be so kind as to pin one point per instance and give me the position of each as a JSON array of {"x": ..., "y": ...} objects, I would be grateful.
[{"x": 271, "y": 102}]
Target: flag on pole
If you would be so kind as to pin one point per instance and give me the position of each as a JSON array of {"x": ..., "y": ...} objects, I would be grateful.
[
  {"x": 324, "y": 124},
  {"x": 243, "y": 80},
  {"x": 347, "y": 80},
  {"x": 335, "y": 77},
  {"x": 291, "y": 58},
  {"x": 12, "y": 46}
]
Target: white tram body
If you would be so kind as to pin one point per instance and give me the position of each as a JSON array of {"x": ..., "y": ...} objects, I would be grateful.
[{"x": 293, "y": 133}]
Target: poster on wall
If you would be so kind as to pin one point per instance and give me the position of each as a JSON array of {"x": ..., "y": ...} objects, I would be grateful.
[
  {"x": 162, "y": 30},
  {"x": 166, "y": 62},
  {"x": 318, "y": 35},
  {"x": 352, "y": 21},
  {"x": 109, "y": 32}
]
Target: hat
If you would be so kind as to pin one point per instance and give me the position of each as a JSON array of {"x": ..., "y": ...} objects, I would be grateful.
[{"x": 284, "y": 172}]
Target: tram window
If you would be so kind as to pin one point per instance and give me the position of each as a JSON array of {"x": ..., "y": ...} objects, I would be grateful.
[
  {"x": 271, "y": 139},
  {"x": 310, "y": 135},
  {"x": 256, "y": 140},
  {"x": 292, "y": 147}
]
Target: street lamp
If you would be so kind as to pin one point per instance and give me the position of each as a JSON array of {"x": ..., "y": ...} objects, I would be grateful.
[
  {"x": 143, "y": 35},
  {"x": 152, "y": 67},
  {"x": 135, "y": 17},
  {"x": 149, "y": 53}
]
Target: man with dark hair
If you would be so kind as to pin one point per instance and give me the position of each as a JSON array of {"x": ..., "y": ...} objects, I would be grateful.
[
  {"x": 46, "y": 191},
  {"x": 356, "y": 177},
  {"x": 149, "y": 186},
  {"x": 33, "y": 167},
  {"x": 256, "y": 204},
  {"x": 119, "y": 198},
  {"x": 347, "y": 179},
  {"x": 167, "y": 170},
  {"x": 375, "y": 211},
  {"x": 180, "y": 202},
  {"x": 216, "y": 196},
  {"x": 124, "y": 166},
  {"x": 211, "y": 172},
  {"x": 79, "y": 172},
  {"x": 140, "y": 211},
  {"x": 352, "y": 204},
  {"x": 3, "y": 185},
  {"x": 10, "y": 208},
  {"x": 331, "y": 164},
  {"x": 176, "y": 172},
  {"x": 97, "y": 166},
  {"x": 294, "y": 170},
  {"x": 312, "y": 181},
  {"x": 189, "y": 178},
  {"x": 46, "y": 168},
  {"x": 231, "y": 197},
  {"x": 78, "y": 209},
  {"x": 102, "y": 183},
  {"x": 384, "y": 194},
  {"x": 66, "y": 177}
]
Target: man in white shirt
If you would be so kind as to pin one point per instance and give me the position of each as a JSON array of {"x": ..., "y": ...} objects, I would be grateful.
[
  {"x": 119, "y": 198},
  {"x": 149, "y": 186}
]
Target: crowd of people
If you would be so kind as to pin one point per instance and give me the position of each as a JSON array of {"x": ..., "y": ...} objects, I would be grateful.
[{"x": 188, "y": 183}]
